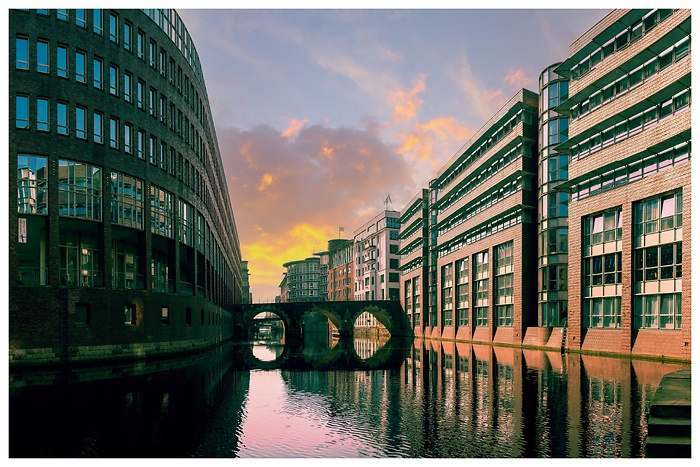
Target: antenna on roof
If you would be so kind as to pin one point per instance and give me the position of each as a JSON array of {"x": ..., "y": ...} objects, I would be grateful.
[{"x": 387, "y": 201}]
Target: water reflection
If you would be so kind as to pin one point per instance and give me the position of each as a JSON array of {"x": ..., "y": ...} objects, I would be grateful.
[{"x": 340, "y": 398}]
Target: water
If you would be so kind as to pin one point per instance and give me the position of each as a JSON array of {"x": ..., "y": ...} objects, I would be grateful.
[{"x": 367, "y": 398}]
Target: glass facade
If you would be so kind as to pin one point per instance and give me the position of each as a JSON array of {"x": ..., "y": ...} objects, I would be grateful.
[{"x": 553, "y": 169}]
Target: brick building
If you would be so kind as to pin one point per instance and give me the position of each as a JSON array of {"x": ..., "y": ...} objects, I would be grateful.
[
  {"x": 122, "y": 239},
  {"x": 561, "y": 222},
  {"x": 482, "y": 241},
  {"x": 413, "y": 263},
  {"x": 630, "y": 184}
]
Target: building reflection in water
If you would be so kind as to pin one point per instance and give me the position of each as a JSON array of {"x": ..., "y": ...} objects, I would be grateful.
[{"x": 424, "y": 399}]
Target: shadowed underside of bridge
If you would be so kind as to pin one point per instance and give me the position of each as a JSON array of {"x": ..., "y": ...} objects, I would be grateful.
[{"x": 342, "y": 314}]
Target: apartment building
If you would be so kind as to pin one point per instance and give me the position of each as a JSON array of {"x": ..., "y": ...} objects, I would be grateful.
[
  {"x": 629, "y": 184},
  {"x": 341, "y": 267},
  {"x": 377, "y": 258},
  {"x": 301, "y": 281}
]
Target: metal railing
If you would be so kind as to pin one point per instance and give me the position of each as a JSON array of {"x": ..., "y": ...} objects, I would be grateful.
[
  {"x": 81, "y": 278},
  {"x": 127, "y": 281},
  {"x": 33, "y": 276}
]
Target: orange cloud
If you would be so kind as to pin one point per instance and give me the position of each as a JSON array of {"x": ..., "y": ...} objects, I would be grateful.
[
  {"x": 293, "y": 128},
  {"x": 434, "y": 141},
  {"x": 516, "y": 78},
  {"x": 495, "y": 98},
  {"x": 309, "y": 185},
  {"x": 407, "y": 103},
  {"x": 265, "y": 181}
]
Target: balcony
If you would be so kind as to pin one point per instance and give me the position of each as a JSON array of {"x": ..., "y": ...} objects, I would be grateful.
[
  {"x": 81, "y": 278},
  {"x": 33, "y": 276},
  {"x": 127, "y": 281}
]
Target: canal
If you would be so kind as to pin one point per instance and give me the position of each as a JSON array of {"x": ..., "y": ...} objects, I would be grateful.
[{"x": 347, "y": 399}]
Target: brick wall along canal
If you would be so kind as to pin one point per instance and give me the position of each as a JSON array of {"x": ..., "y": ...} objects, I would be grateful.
[{"x": 426, "y": 399}]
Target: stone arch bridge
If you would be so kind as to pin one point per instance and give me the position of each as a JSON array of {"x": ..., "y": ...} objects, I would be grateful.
[{"x": 342, "y": 314}]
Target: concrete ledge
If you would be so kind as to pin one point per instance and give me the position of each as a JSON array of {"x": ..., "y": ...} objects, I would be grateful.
[{"x": 101, "y": 353}]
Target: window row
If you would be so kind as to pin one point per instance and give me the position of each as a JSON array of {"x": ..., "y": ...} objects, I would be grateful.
[
  {"x": 631, "y": 172},
  {"x": 659, "y": 262},
  {"x": 474, "y": 235},
  {"x": 495, "y": 196},
  {"x": 476, "y": 178},
  {"x": 126, "y": 137},
  {"x": 657, "y": 214},
  {"x": 621, "y": 40},
  {"x": 633, "y": 78},
  {"x": 135, "y": 39},
  {"x": 497, "y": 133},
  {"x": 602, "y": 227},
  {"x": 630, "y": 126},
  {"x": 108, "y": 76}
]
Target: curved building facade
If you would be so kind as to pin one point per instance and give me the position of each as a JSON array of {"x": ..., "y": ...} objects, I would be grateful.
[
  {"x": 122, "y": 240},
  {"x": 553, "y": 221}
]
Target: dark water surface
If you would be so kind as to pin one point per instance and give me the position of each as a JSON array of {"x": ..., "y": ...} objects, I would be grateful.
[{"x": 361, "y": 398}]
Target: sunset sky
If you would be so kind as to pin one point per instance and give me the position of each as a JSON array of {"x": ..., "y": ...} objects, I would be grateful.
[{"x": 320, "y": 114}]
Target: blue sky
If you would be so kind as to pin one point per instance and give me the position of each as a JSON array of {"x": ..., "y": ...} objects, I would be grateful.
[{"x": 320, "y": 114}]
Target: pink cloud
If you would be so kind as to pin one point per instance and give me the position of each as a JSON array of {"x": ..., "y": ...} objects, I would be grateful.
[
  {"x": 294, "y": 126},
  {"x": 407, "y": 103},
  {"x": 517, "y": 78},
  {"x": 301, "y": 190}
]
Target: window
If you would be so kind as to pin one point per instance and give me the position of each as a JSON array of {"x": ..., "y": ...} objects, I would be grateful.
[
  {"x": 139, "y": 94},
  {"x": 22, "y": 112},
  {"x": 42, "y": 114},
  {"x": 186, "y": 223},
  {"x": 97, "y": 73},
  {"x": 97, "y": 21},
  {"x": 152, "y": 54},
  {"x": 82, "y": 314},
  {"x": 42, "y": 57},
  {"x": 32, "y": 184},
  {"x": 152, "y": 150},
  {"x": 80, "y": 18},
  {"x": 140, "y": 141},
  {"x": 80, "y": 67},
  {"x": 602, "y": 227},
  {"x": 62, "y": 61},
  {"x": 503, "y": 283},
  {"x": 113, "y": 28},
  {"x": 62, "y": 118},
  {"x": 602, "y": 269},
  {"x": 658, "y": 311},
  {"x": 602, "y": 312},
  {"x": 80, "y": 123},
  {"x": 152, "y": 102},
  {"x": 79, "y": 260},
  {"x": 127, "y": 87},
  {"x": 128, "y": 130},
  {"x": 114, "y": 133},
  {"x": 79, "y": 190},
  {"x": 140, "y": 45},
  {"x": 127, "y": 35},
  {"x": 162, "y": 211},
  {"x": 125, "y": 265},
  {"x": 447, "y": 299},
  {"x": 113, "y": 86},
  {"x": 658, "y": 262},
  {"x": 97, "y": 127},
  {"x": 480, "y": 273},
  {"x": 62, "y": 14},
  {"x": 188, "y": 316},
  {"x": 127, "y": 200},
  {"x": 22, "y": 53},
  {"x": 130, "y": 314}
]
